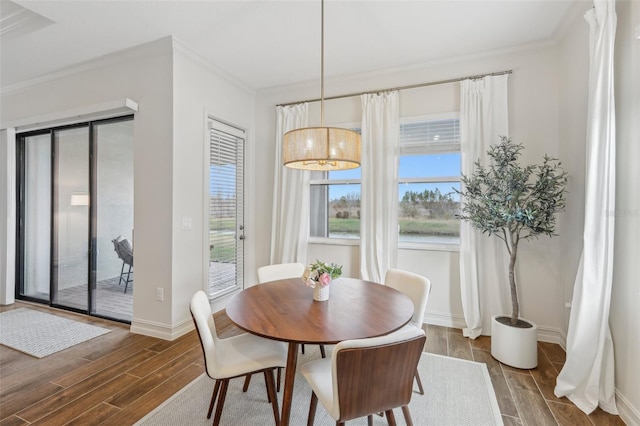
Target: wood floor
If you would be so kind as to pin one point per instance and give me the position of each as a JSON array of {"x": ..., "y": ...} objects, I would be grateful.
[{"x": 119, "y": 377}]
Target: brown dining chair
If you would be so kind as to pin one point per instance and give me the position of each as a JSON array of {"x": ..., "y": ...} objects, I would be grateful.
[
  {"x": 236, "y": 356},
  {"x": 346, "y": 387},
  {"x": 417, "y": 288}
]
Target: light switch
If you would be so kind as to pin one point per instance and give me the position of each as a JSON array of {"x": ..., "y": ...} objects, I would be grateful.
[{"x": 186, "y": 223}]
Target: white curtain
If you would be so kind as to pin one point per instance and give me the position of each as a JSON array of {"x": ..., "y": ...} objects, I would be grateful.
[
  {"x": 483, "y": 260},
  {"x": 290, "y": 218},
  {"x": 587, "y": 377},
  {"x": 379, "y": 193}
]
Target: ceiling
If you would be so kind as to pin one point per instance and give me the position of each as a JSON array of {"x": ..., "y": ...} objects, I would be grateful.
[{"x": 271, "y": 43}]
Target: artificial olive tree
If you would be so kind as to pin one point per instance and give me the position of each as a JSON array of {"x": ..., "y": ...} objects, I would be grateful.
[{"x": 513, "y": 202}]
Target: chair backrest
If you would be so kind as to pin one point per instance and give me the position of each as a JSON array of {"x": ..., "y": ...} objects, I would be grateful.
[
  {"x": 126, "y": 251},
  {"x": 413, "y": 285},
  {"x": 206, "y": 328},
  {"x": 280, "y": 271},
  {"x": 374, "y": 375},
  {"x": 123, "y": 249},
  {"x": 116, "y": 245}
]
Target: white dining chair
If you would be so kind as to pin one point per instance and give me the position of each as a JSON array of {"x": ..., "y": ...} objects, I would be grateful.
[
  {"x": 280, "y": 271},
  {"x": 346, "y": 387},
  {"x": 236, "y": 356},
  {"x": 417, "y": 288}
]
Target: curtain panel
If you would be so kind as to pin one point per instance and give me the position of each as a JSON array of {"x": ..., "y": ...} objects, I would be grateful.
[
  {"x": 290, "y": 215},
  {"x": 379, "y": 191},
  {"x": 587, "y": 377},
  {"x": 483, "y": 260}
]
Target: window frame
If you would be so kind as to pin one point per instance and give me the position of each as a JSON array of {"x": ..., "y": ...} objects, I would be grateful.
[{"x": 405, "y": 245}]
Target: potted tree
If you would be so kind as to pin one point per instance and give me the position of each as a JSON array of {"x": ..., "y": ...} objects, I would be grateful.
[{"x": 513, "y": 203}]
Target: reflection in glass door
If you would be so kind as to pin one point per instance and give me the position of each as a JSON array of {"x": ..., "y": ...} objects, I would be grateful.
[
  {"x": 71, "y": 218},
  {"x": 35, "y": 196},
  {"x": 75, "y": 197},
  {"x": 113, "y": 192}
]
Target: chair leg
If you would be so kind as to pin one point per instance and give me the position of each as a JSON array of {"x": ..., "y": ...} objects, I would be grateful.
[
  {"x": 121, "y": 274},
  {"x": 127, "y": 282},
  {"x": 420, "y": 389},
  {"x": 216, "y": 388},
  {"x": 220, "y": 406},
  {"x": 391, "y": 420},
  {"x": 302, "y": 347},
  {"x": 312, "y": 409},
  {"x": 370, "y": 420},
  {"x": 271, "y": 391},
  {"x": 407, "y": 415},
  {"x": 278, "y": 382},
  {"x": 247, "y": 379},
  {"x": 322, "y": 351}
]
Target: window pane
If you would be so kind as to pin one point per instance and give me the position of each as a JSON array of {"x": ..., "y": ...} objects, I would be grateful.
[
  {"x": 345, "y": 174},
  {"x": 429, "y": 165},
  {"x": 427, "y": 212},
  {"x": 335, "y": 211}
]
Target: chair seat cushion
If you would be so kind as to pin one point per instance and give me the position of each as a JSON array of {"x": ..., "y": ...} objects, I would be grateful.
[
  {"x": 241, "y": 354},
  {"x": 318, "y": 375}
]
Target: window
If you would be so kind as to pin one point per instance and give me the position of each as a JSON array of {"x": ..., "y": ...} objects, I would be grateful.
[{"x": 429, "y": 170}]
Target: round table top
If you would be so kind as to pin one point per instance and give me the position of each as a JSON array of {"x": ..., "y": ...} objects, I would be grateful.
[{"x": 285, "y": 310}]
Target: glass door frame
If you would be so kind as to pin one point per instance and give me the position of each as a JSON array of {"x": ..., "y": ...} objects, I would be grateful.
[{"x": 53, "y": 231}]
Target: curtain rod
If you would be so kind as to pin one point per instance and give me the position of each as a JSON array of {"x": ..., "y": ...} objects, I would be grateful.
[{"x": 413, "y": 86}]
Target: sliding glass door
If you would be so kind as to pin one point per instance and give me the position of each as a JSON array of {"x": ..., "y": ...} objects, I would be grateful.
[
  {"x": 113, "y": 218},
  {"x": 71, "y": 218},
  {"x": 35, "y": 215},
  {"x": 75, "y": 197}
]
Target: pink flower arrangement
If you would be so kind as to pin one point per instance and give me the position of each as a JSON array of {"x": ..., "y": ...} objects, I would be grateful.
[{"x": 321, "y": 273}]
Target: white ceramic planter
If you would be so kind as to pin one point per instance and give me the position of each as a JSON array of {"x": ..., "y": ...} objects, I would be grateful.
[{"x": 516, "y": 347}]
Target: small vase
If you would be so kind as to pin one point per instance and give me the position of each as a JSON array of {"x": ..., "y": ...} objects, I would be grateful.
[{"x": 321, "y": 293}]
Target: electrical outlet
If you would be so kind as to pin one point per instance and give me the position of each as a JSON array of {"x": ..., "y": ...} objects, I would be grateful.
[{"x": 159, "y": 294}]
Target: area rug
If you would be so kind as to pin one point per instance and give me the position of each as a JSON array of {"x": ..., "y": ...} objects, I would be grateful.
[
  {"x": 457, "y": 393},
  {"x": 39, "y": 334}
]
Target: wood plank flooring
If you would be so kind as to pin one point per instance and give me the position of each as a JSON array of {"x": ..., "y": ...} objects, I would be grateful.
[{"x": 118, "y": 378}]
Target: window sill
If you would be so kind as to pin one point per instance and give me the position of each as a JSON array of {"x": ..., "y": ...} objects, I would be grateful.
[{"x": 401, "y": 245}]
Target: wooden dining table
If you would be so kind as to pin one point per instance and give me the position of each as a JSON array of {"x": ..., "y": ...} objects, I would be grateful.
[{"x": 285, "y": 310}]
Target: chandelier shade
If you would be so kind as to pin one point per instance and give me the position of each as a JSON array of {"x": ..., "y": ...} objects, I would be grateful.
[{"x": 321, "y": 148}]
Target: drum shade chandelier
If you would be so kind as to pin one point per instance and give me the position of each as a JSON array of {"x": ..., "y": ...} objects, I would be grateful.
[{"x": 321, "y": 148}]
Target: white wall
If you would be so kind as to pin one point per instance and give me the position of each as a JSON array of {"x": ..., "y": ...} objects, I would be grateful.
[
  {"x": 625, "y": 298},
  {"x": 533, "y": 120},
  {"x": 7, "y": 216},
  {"x": 200, "y": 90},
  {"x": 175, "y": 90},
  {"x": 574, "y": 70},
  {"x": 143, "y": 74}
]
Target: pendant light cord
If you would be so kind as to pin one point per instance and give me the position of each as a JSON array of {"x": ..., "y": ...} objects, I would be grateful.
[{"x": 322, "y": 63}]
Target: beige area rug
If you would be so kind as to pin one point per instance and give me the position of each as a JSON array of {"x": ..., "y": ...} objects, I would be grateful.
[
  {"x": 40, "y": 334},
  {"x": 457, "y": 393}
]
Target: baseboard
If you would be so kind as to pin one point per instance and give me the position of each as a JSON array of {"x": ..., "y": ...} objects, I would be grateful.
[
  {"x": 629, "y": 414},
  {"x": 444, "y": 320},
  {"x": 552, "y": 335},
  {"x": 159, "y": 330}
]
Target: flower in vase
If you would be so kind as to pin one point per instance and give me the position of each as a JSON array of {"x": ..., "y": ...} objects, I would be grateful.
[{"x": 320, "y": 273}]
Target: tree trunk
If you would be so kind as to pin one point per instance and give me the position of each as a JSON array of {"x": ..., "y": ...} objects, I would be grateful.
[{"x": 515, "y": 309}]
